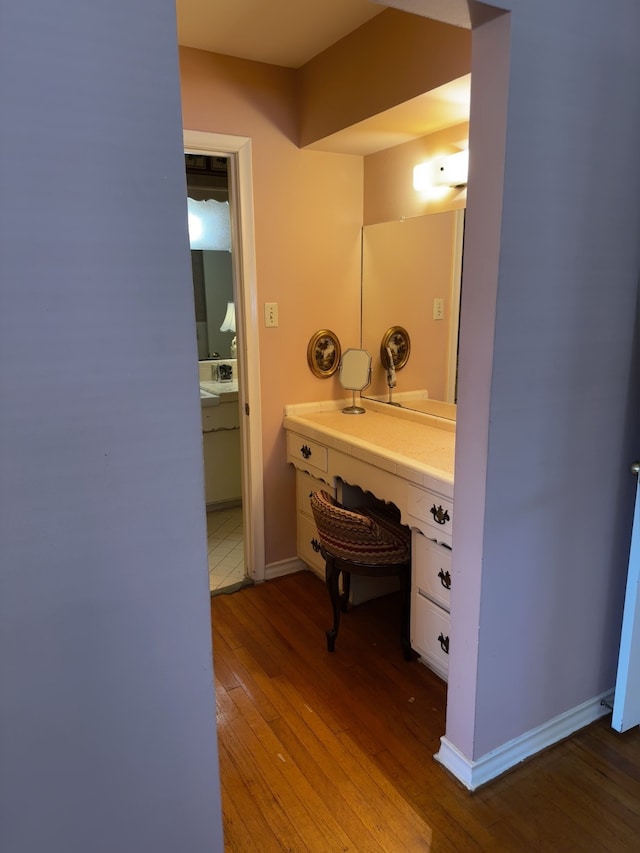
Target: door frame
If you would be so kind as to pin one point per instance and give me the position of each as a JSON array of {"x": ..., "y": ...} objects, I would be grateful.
[
  {"x": 238, "y": 150},
  {"x": 626, "y": 702}
]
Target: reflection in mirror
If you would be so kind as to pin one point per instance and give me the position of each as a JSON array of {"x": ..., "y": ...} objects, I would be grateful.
[
  {"x": 213, "y": 291},
  {"x": 395, "y": 348},
  {"x": 211, "y": 261},
  {"x": 411, "y": 272},
  {"x": 355, "y": 375}
]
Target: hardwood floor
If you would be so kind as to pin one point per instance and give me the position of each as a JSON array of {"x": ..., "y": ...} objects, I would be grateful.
[{"x": 333, "y": 752}]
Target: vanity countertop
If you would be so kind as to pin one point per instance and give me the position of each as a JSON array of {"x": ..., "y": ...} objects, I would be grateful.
[
  {"x": 409, "y": 442},
  {"x": 226, "y": 391}
]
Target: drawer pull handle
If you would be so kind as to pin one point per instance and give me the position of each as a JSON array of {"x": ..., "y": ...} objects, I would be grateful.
[
  {"x": 315, "y": 545},
  {"x": 445, "y": 579},
  {"x": 444, "y": 643},
  {"x": 440, "y": 515},
  {"x": 306, "y": 451}
]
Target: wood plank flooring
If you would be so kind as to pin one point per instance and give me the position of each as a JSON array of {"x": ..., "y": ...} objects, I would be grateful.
[{"x": 333, "y": 752}]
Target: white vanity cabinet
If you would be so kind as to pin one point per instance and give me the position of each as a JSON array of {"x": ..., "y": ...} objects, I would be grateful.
[
  {"x": 307, "y": 533},
  {"x": 308, "y": 455},
  {"x": 430, "y": 601},
  {"x": 400, "y": 461},
  {"x": 221, "y": 451},
  {"x": 310, "y": 459}
]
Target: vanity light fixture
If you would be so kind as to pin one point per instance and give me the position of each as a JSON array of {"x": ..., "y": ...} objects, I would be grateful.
[
  {"x": 453, "y": 170},
  {"x": 449, "y": 171},
  {"x": 422, "y": 180}
]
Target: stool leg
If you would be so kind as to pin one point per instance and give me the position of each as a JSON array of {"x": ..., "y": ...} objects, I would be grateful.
[
  {"x": 332, "y": 577},
  {"x": 405, "y": 635},
  {"x": 346, "y": 587}
]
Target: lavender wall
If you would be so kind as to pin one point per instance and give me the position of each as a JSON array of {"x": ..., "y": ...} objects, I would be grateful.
[
  {"x": 483, "y": 223},
  {"x": 548, "y": 415},
  {"x": 107, "y": 707}
]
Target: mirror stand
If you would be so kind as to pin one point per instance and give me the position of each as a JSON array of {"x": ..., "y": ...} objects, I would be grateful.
[
  {"x": 353, "y": 409},
  {"x": 355, "y": 375}
]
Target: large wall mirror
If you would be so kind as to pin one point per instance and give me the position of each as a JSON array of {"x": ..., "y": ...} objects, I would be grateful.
[{"x": 411, "y": 274}]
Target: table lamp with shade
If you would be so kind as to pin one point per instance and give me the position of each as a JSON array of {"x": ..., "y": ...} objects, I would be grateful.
[{"x": 229, "y": 325}]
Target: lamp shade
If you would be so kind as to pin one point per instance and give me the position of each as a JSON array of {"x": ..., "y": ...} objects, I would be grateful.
[
  {"x": 229, "y": 322},
  {"x": 209, "y": 225}
]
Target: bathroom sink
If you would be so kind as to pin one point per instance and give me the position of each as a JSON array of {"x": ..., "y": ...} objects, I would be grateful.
[{"x": 207, "y": 398}]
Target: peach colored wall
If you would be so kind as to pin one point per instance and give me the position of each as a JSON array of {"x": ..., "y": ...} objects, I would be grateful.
[
  {"x": 308, "y": 217},
  {"x": 388, "y": 178},
  {"x": 379, "y": 65}
]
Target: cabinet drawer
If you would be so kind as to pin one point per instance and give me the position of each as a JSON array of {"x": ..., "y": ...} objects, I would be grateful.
[
  {"x": 430, "y": 633},
  {"x": 308, "y": 542},
  {"x": 306, "y": 454},
  {"x": 431, "y": 567},
  {"x": 305, "y": 485},
  {"x": 433, "y": 509}
]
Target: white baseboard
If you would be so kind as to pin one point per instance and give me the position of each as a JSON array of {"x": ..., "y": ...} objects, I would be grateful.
[
  {"x": 284, "y": 567},
  {"x": 473, "y": 774}
]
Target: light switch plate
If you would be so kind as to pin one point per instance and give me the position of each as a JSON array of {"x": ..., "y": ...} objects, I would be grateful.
[{"x": 271, "y": 314}]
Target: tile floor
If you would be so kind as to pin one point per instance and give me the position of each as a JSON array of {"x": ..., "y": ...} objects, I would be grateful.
[{"x": 226, "y": 549}]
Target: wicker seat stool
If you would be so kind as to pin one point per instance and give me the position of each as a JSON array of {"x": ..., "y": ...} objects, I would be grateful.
[{"x": 366, "y": 542}]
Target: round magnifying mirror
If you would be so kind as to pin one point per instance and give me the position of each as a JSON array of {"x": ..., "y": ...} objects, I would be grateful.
[{"x": 355, "y": 375}]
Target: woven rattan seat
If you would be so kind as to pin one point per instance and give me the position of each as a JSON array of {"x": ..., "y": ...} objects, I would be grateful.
[{"x": 367, "y": 541}]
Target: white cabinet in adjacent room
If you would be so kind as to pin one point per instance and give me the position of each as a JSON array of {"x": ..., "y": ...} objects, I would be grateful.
[{"x": 222, "y": 457}]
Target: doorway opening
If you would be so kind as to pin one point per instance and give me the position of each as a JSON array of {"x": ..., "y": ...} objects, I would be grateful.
[
  {"x": 215, "y": 317},
  {"x": 225, "y": 288}
]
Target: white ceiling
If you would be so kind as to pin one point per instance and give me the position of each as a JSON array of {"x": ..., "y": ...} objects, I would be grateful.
[{"x": 291, "y": 32}]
